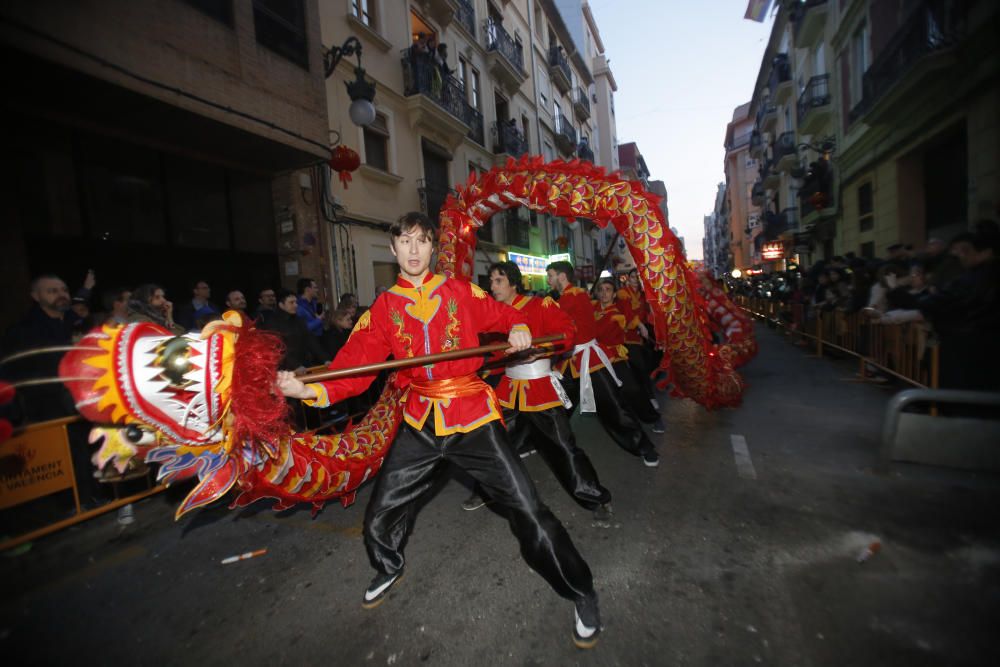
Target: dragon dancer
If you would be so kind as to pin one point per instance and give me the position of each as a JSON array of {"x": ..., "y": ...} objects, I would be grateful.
[
  {"x": 590, "y": 374},
  {"x": 449, "y": 415},
  {"x": 535, "y": 403}
]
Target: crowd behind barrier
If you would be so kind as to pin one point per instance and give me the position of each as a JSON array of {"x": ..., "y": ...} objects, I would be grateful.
[
  {"x": 927, "y": 316},
  {"x": 905, "y": 351}
]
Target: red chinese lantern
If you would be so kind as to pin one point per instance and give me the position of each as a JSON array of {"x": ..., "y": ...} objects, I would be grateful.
[
  {"x": 344, "y": 160},
  {"x": 818, "y": 200}
]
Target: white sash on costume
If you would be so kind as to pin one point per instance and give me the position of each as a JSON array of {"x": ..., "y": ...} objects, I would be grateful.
[
  {"x": 587, "y": 402},
  {"x": 536, "y": 370}
]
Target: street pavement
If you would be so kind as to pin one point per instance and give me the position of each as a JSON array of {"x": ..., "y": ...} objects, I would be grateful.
[{"x": 740, "y": 549}]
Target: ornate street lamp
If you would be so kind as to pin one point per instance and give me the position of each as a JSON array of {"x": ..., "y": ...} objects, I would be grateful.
[{"x": 361, "y": 90}]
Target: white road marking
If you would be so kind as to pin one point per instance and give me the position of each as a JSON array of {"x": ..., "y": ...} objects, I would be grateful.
[{"x": 744, "y": 466}]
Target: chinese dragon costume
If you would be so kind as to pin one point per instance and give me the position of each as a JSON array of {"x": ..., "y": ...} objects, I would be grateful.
[{"x": 204, "y": 406}]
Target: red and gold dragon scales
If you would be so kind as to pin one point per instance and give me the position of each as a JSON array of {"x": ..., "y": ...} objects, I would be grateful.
[{"x": 204, "y": 405}]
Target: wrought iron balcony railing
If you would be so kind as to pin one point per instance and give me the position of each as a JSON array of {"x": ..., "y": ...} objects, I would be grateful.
[
  {"x": 581, "y": 102},
  {"x": 559, "y": 61},
  {"x": 499, "y": 40},
  {"x": 934, "y": 27},
  {"x": 465, "y": 15},
  {"x": 565, "y": 129},
  {"x": 432, "y": 197},
  {"x": 422, "y": 76},
  {"x": 507, "y": 138},
  {"x": 784, "y": 145},
  {"x": 816, "y": 94},
  {"x": 781, "y": 71}
]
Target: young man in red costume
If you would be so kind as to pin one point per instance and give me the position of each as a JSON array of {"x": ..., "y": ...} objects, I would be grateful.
[
  {"x": 612, "y": 335},
  {"x": 535, "y": 404},
  {"x": 449, "y": 415},
  {"x": 632, "y": 303},
  {"x": 589, "y": 371}
]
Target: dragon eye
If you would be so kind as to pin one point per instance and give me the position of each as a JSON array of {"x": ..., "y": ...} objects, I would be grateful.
[
  {"x": 133, "y": 433},
  {"x": 173, "y": 358}
]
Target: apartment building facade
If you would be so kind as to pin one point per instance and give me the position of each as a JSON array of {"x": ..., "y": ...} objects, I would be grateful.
[
  {"x": 161, "y": 143},
  {"x": 743, "y": 222},
  {"x": 875, "y": 122},
  {"x": 511, "y": 81}
]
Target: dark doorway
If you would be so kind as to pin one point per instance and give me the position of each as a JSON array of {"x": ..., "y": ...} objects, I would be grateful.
[{"x": 437, "y": 179}]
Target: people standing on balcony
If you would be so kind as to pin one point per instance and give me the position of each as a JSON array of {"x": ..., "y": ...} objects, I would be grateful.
[
  {"x": 534, "y": 402},
  {"x": 449, "y": 416},
  {"x": 588, "y": 375}
]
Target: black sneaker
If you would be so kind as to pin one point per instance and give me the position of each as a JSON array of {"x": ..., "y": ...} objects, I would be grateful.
[
  {"x": 378, "y": 588},
  {"x": 586, "y": 622},
  {"x": 650, "y": 459},
  {"x": 658, "y": 426},
  {"x": 473, "y": 502}
]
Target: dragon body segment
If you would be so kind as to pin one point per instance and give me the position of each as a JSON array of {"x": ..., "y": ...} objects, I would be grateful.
[{"x": 695, "y": 367}]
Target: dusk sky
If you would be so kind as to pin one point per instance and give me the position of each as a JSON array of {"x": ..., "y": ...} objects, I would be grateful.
[{"x": 681, "y": 67}]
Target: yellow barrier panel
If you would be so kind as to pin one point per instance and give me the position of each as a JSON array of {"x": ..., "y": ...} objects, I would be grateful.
[{"x": 46, "y": 467}]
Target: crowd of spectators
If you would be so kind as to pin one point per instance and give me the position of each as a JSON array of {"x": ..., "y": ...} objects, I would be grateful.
[
  {"x": 951, "y": 289},
  {"x": 311, "y": 336}
]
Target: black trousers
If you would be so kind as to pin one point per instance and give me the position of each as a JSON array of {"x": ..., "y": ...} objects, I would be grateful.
[
  {"x": 636, "y": 394},
  {"x": 549, "y": 432},
  {"x": 640, "y": 361},
  {"x": 410, "y": 469},
  {"x": 614, "y": 408}
]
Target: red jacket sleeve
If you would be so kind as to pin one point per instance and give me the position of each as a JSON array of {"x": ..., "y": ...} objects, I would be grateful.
[{"x": 367, "y": 344}]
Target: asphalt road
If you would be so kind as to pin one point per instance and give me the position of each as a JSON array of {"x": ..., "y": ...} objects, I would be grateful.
[{"x": 724, "y": 555}]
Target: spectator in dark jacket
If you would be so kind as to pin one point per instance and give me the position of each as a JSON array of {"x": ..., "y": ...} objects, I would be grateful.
[
  {"x": 966, "y": 316},
  {"x": 302, "y": 349}
]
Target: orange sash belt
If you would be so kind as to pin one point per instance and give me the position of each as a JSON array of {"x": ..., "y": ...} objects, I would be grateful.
[{"x": 456, "y": 387}]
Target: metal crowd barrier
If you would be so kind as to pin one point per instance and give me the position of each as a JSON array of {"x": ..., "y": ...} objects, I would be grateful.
[{"x": 900, "y": 350}]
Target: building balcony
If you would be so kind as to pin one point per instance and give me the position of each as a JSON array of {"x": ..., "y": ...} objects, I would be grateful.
[
  {"x": 808, "y": 21},
  {"x": 920, "y": 55},
  {"x": 769, "y": 175},
  {"x": 790, "y": 219},
  {"x": 505, "y": 56},
  {"x": 756, "y": 145},
  {"x": 437, "y": 102},
  {"x": 432, "y": 197},
  {"x": 508, "y": 139},
  {"x": 559, "y": 69},
  {"x": 739, "y": 141},
  {"x": 584, "y": 152},
  {"x": 581, "y": 103},
  {"x": 757, "y": 194},
  {"x": 786, "y": 156},
  {"x": 565, "y": 134},
  {"x": 465, "y": 16},
  {"x": 780, "y": 82},
  {"x": 814, "y": 108},
  {"x": 767, "y": 116},
  {"x": 442, "y": 11}
]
